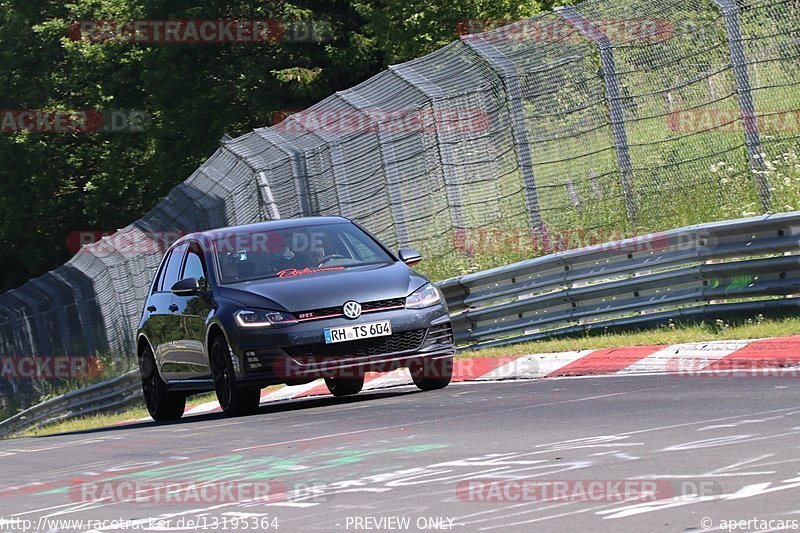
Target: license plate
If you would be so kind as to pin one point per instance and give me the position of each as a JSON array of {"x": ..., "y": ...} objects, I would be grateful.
[{"x": 357, "y": 332}]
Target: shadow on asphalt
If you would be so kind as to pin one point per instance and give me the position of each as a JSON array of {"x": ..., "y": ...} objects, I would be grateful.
[{"x": 280, "y": 406}]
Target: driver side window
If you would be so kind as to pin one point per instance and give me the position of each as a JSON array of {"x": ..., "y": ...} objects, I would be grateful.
[
  {"x": 173, "y": 268},
  {"x": 161, "y": 273},
  {"x": 195, "y": 267}
]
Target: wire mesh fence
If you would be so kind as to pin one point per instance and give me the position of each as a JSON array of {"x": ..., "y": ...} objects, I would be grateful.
[{"x": 593, "y": 122}]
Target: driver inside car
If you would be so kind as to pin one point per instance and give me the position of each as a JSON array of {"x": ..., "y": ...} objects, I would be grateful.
[
  {"x": 229, "y": 267},
  {"x": 326, "y": 250}
]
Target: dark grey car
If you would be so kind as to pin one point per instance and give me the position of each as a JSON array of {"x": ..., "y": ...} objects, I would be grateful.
[{"x": 238, "y": 309}]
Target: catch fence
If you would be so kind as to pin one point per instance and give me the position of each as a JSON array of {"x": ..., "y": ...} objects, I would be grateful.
[{"x": 625, "y": 116}]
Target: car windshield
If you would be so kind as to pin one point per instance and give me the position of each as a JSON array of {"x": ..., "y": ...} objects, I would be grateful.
[{"x": 299, "y": 251}]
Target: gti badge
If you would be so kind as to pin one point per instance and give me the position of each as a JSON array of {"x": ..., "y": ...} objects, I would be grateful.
[{"x": 352, "y": 309}]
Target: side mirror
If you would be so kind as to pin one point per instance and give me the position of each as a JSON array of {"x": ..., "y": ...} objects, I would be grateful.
[
  {"x": 409, "y": 256},
  {"x": 186, "y": 287}
]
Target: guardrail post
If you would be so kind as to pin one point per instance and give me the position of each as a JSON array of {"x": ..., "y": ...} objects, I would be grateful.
[
  {"x": 508, "y": 73},
  {"x": 618, "y": 130},
  {"x": 752, "y": 138},
  {"x": 434, "y": 93},
  {"x": 299, "y": 168}
]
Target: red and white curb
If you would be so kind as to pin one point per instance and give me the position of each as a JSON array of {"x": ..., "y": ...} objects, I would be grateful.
[{"x": 710, "y": 359}]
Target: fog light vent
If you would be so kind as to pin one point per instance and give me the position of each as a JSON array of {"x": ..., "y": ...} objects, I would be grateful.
[{"x": 253, "y": 361}]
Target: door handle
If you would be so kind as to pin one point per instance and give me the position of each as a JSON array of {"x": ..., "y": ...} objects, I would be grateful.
[
  {"x": 173, "y": 308},
  {"x": 152, "y": 308}
]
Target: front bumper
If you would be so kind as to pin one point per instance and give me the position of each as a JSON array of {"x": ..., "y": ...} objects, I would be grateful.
[{"x": 298, "y": 353}]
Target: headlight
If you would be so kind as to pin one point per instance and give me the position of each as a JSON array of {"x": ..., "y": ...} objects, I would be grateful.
[
  {"x": 261, "y": 318},
  {"x": 426, "y": 296}
]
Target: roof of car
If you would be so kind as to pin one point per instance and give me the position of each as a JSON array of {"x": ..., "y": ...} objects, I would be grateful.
[{"x": 270, "y": 225}]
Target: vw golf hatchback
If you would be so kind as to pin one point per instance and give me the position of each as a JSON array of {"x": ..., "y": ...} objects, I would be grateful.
[{"x": 237, "y": 309}]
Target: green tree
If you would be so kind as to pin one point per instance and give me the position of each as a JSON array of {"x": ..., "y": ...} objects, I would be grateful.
[
  {"x": 403, "y": 30},
  {"x": 55, "y": 184}
]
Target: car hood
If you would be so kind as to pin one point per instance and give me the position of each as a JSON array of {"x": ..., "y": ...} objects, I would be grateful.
[{"x": 332, "y": 288}]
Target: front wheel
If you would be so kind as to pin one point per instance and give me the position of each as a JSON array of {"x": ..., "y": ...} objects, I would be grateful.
[
  {"x": 432, "y": 374},
  {"x": 161, "y": 404},
  {"x": 345, "y": 386},
  {"x": 234, "y": 400}
]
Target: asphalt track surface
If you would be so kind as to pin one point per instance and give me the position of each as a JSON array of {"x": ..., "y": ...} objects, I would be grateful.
[{"x": 716, "y": 449}]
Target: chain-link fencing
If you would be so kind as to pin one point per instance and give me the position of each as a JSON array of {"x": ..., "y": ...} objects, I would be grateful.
[{"x": 590, "y": 123}]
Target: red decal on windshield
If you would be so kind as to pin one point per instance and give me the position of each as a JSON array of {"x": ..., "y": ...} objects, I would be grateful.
[{"x": 289, "y": 272}]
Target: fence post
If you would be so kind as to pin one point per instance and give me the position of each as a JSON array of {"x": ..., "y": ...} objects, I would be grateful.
[
  {"x": 434, "y": 93},
  {"x": 83, "y": 315},
  {"x": 10, "y": 343},
  {"x": 337, "y": 168},
  {"x": 54, "y": 297},
  {"x": 618, "y": 130},
  {"x": 508, "y": 73},
  {"x": 299, "y": 168},
  {"x": 752, "y": 138},
  {"x": 38, "y": 344},
  {"x": 331, "y": 140},
  {"x": 359, "y": 103},
  {"x": 267, "y": 197}
]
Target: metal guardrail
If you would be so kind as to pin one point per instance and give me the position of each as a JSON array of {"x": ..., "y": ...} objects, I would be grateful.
[
  {"x": 680, "y": 273},
  {"x": 683, "y": 273},
  {"x": 119, "y": 392}
]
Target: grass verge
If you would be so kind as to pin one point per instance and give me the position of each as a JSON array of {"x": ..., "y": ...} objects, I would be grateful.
[
  {"x": 110, "y": 419},
  {"x": 86, "y": 422},
  {"x": 674, "y": 334}
]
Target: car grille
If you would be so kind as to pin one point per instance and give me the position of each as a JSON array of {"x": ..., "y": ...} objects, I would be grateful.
[
  {"x": 329, "y": 312},
  {"x": 398, "y": 342},
  {"x": 382, "y": 304}
]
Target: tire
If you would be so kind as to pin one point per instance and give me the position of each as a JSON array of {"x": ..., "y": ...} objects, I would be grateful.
[
  {"x": 161, "y": 404},
  {"x": 432, "y": 374},
  {"x": 345, "y": 386},
  {"x": 234, "y": 400}
]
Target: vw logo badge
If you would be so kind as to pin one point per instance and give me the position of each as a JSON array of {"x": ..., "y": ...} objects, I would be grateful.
[{"x": 352, "y": 309}]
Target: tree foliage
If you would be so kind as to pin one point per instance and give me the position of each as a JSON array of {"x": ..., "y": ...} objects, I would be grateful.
[{"x": 55, "y": 184}]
